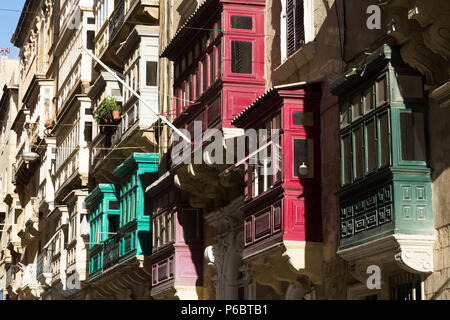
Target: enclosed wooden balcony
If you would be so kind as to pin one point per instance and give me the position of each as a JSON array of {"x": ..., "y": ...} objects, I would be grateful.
[
  {"x": 177, "y": 254},
  {"x": 385, "y": 195}
]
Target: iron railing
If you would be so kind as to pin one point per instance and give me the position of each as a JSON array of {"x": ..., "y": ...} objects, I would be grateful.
[{"x": 116, "y": 20}]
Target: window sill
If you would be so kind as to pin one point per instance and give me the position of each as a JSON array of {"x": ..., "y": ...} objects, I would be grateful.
[{"x": 295, "y": 62}]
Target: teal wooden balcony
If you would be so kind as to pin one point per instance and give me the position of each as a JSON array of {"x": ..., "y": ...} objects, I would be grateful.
[
  {"x": 104, "y": 210},
  {"x": 385, "y": 195},
  {"x": 120, "y": 218}
]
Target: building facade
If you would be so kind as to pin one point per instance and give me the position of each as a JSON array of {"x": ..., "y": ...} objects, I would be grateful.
[{"x": 317, "y": 158}]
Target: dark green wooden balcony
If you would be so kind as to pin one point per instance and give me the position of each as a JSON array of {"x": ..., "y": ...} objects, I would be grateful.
[{"x": 385, "y": 194}]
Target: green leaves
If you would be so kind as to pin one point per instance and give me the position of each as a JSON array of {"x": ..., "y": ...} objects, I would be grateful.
[{"x": 103, "y": 112}]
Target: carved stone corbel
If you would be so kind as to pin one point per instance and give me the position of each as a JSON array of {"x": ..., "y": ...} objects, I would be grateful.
[{"x": 413, "y": 49}]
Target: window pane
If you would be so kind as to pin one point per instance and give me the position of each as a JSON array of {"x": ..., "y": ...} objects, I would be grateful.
[
  {"x": 212, "y": 64},
  {"x": 347, "y": 160},
  {"x": 241, "y": 60},
  {"x": 277, "y": 122},
  {"x": 300, "y": 154},
  {"x": 358, "y": 153},
  {"x": 197, "y": 83},
  {"x": 152, "y": 70},
  {"x": 219, "y": 62},
  {"x": 371, "y": 156},
  {"x": 368, "y": 100},
  {"x": 413, "y": 136},
  {"x": 384, "y": 140},
  {"x": 345, "y": 115},
  {"x": 205, "y": 74},
  {"x": 381, "y": 91},
  {"x": 238, "y": 22},
  {"x": 303, "y": 118},
  {"x": 191, "y": 90},
  {"x": 357, "y": 108}
]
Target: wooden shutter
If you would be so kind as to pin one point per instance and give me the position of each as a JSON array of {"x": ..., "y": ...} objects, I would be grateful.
[{"x": 295, "y": 25}]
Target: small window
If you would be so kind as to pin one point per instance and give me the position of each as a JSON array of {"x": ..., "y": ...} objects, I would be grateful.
[
  {"x": 413, "y": 136},
  {"x": 303, "y": 118},
  {"x": 197, "y": 83},
  {"x": 384, "y": 140},
  {"x": 205, "y": 74},
  {"x": 212, "y": 64},
  {"x": 356, "y": 107},
  {"x": 91, "y": 20},
  {"x": 90, "y": 40},
  {"x": 88, "y": 131},
  {"x": 346, "y": 160},
  {"x": 113, "y": 223},
  {"x": 358, "y": 147},
  {"x": 382, "y": 91},
  {"x": 368, "y": 100},
  {"x": 345, "y": 115},
  {"x": 152, "y": 70},
  {"x": 371, "y": 155},
  {"x": 219, "y": 63},
  {"x": 240, "y": 22},
  {"x": 300, "y": 154},
  {"x": 242, "y": 56}
]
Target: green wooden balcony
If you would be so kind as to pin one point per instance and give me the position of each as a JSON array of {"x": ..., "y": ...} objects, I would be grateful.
[
  {"x": 385, "y": 194},
  {"x": 120, "y": 217}
]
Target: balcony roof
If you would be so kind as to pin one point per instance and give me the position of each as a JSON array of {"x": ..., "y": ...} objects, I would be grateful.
[
  {"x": 144, "y": 162},
  {"x": 133, "y": 39},
  {"x": 197, "y": 19},
  {"x": 97, "y": 194},
  {"x": 269, "y": 93}
]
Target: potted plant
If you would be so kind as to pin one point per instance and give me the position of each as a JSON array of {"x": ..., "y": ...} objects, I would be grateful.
[{"x": 107, "y": 111}]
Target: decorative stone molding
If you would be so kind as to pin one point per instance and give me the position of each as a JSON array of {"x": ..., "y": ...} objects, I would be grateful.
[
  {"x": 423, "y": 29},
  {"x": 442, "y": 95},
  {"x": 416, "y": 254},
  {"x": 225, "y": 255},
  {"x": 413, "y": 253}
]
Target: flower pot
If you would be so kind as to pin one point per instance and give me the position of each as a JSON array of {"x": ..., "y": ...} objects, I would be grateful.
[
  {"x": 102, "y": 129},
  {"x": 116, "y": 114}
]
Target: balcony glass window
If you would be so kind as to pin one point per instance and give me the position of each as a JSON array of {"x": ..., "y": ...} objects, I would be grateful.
[
  {"x": 241, "y": 57},
  {"x": 384, "y": 148},
  {"x": 219, "y": 62},
  {"x": 241, "y": 22},
  {"x": 412, "y": 136},
  {"x": 347, "y": 159},
  {"x": 205, "y": 74},
  {"x": 197, "y": 83},
  {"x": 358, "y": 153},
  {"x": 267, "y": 171},
  {"x": 371, "y": 154},
  {"x": 212, "y": 64},
  {"x": 152, "y": 73},
  {"x": 382, "y": 91}
]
